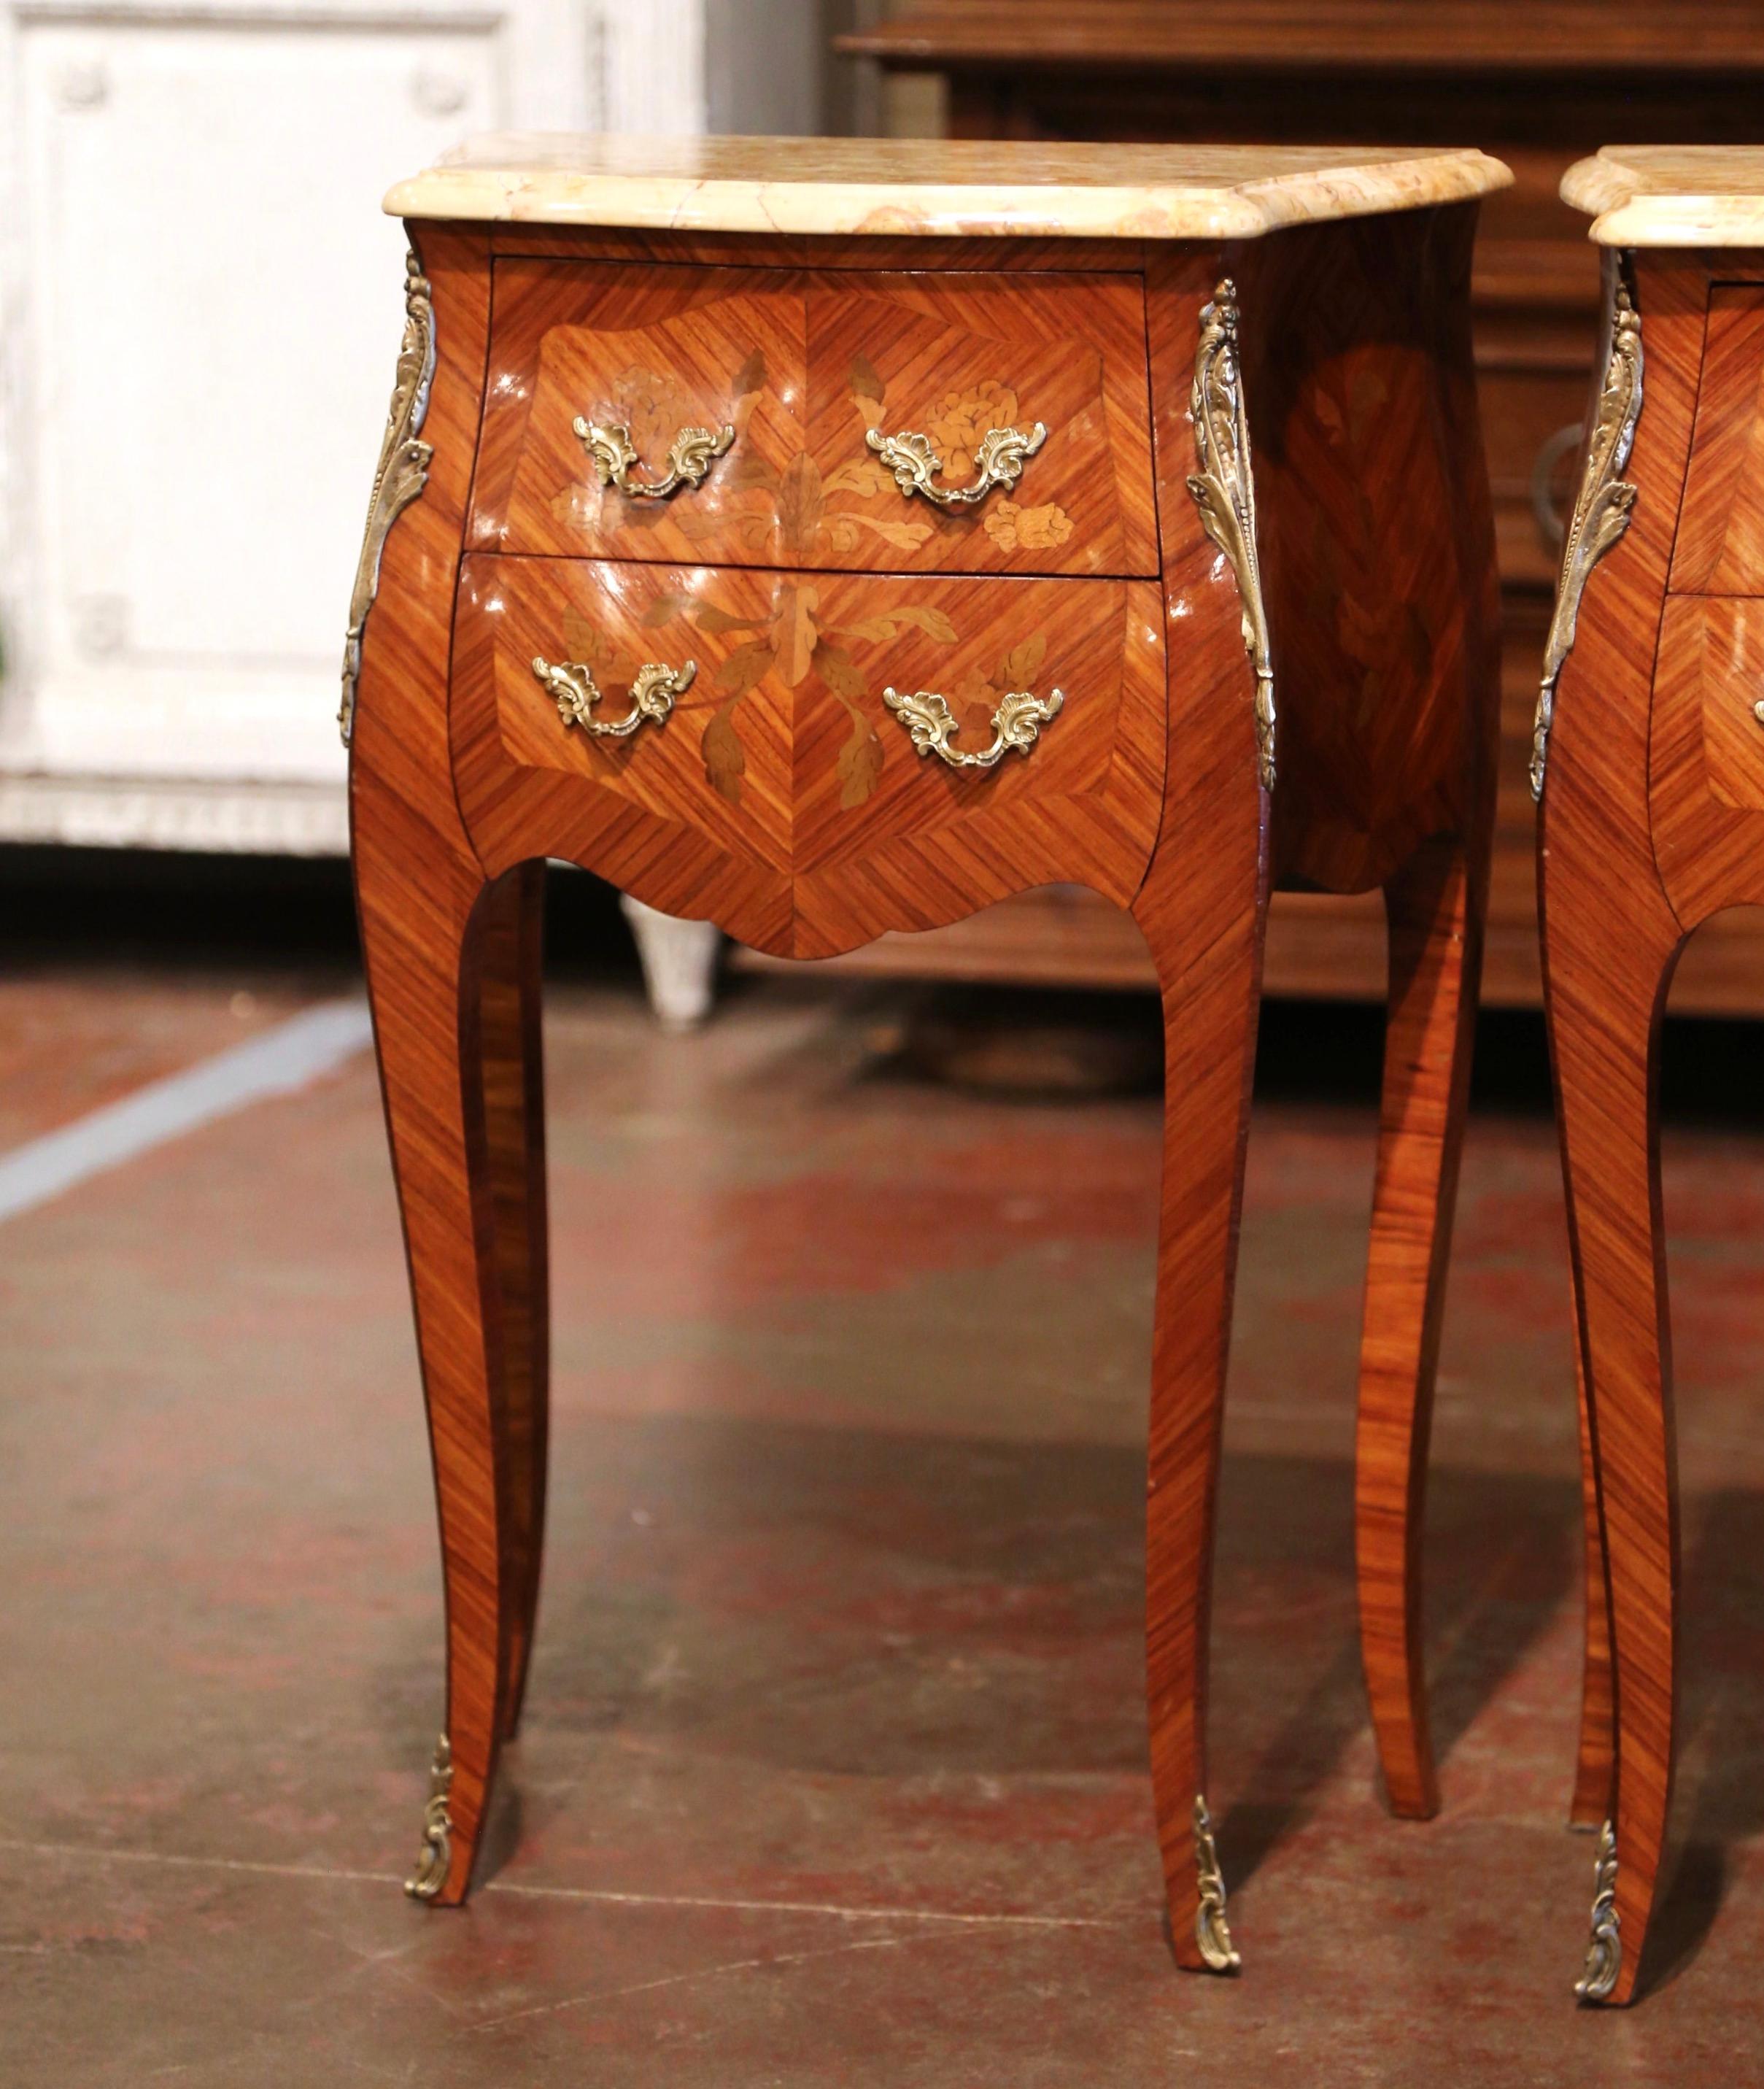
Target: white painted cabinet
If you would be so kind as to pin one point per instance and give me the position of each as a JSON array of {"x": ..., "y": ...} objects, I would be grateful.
[{"x": 201, "y": 309}]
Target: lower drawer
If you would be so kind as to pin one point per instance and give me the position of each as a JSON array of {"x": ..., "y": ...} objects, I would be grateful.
[{"x": 774, "y": 773}]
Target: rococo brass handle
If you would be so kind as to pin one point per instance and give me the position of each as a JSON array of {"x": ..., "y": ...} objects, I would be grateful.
[
  {"x": 998, "y": 460},
  {"x": 653, "y": 692},
  {"x": 1017, "y": 722},
  {"x": 690, "y": 455}
]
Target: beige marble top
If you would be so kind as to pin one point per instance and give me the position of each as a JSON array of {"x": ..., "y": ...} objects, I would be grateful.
[
  {"x": 912, "y": 186},
  {"x": 1672, "y": 195}
]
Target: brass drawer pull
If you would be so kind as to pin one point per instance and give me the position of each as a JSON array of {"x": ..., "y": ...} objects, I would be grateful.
[
  {"x": 653, "y": 692},
  {"x": 690, "y": 455},
  {"x": 1017, "y": 722},
  {"x": 998, "y": 460}
]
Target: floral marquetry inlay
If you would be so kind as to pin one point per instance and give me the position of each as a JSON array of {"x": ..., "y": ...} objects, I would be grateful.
[
  {"x": 958, "y": 424},
  {"x": 793, "y": 642}
]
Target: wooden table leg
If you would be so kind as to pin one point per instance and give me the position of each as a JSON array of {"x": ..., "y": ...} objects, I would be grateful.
[
  {"x": 1607, "y": 1065},
  {"x": 1435, "y": 907},
  {"x": 1379, "y": 554},
  {"x": 1210, "y": 1005},
  {"x": 443, "y": 953},
  {"x": 1202, "y": 909},
  {"x": 513, "y": 1074},
  {"x": 1595, "y": 1762}
]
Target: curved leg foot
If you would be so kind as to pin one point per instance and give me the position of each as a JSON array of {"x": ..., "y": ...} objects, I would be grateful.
[{"x": 1435, "y": 907}]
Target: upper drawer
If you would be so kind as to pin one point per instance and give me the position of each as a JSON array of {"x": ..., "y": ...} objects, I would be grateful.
[
  {"x": 905, "y": 369},
  {"x": 845, "y": 419},
  {"x": 651, "y": 351},
  {"x": 1720, "y": 545}
]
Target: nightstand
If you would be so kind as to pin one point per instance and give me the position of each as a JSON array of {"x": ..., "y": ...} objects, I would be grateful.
[{"x": 828, "y": 539}]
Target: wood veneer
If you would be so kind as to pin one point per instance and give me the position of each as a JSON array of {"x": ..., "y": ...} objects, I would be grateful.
[
  {"x": 802, "y": 365},
  {"x": 1378, "y": 552},
  {"x": 1635, "y": 848}
]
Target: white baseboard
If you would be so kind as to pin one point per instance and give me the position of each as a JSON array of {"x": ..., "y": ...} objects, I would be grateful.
[{"x": 285, "y": 818}]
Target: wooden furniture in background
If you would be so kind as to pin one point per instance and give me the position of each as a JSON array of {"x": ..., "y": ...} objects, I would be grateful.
[
  {"x": 707, "y": 699},
  {"x": 1653, "y": 818},
  {"x": 1539, "y": 82}
]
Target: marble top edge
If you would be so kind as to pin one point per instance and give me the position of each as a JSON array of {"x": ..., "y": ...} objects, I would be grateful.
[
  {"x": 964, "y": 188},
  {"x": 1671, "y": 195}
]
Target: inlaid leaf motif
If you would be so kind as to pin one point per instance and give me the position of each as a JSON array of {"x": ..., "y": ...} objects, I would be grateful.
[
  {"x": 744, "y": 669},
  {"x": 840, "y": 672},
  {"x": 725, "y": 762},
  {"x": 711, "y": 621},
  {"x": 745, "y": 388},
  {"x": 859, "y": 767},
  {"x": 746, "y": 473},
  {"x": 1012, "y": 528},
  {"x": 794, "y": 632},
  {"x": 867, "y": 390},
  {"x": 696, "y": 523},
  {"x": 800, "y": 503},
  {"x": 903, "y": 536},
  {"x": 973, "y": 699},
  {"x": 1019, "y": 667},
  {"x": 665, "y": 608},
  {"x": 863, "y": 476},
  {"x": 577, "y": 506},
  {"x": 653, "y": 406},
  {"x": 585, "y": 642},
  {"x": 890, "y": 623},
  {"x": 860, "y": 764},
  {"x": 842, "y": 533}
]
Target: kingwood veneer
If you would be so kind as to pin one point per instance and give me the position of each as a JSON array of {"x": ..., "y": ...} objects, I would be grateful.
[
  {"x": 1114, "y": 327},
  {"x": 1650, "y": 759}
]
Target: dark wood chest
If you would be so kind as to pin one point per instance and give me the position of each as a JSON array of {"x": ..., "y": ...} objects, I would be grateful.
[{"x": 1539, "y": 83}]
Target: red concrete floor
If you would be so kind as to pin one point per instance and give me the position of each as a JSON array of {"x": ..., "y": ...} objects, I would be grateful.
[{"x": 835, "y": 1768}]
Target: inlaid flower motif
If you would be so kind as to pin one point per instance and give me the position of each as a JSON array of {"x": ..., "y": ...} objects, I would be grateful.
[
  {"x": 653, "y": 408},
  {"x": 963, "y": 419},
  {"x": 1012, "y": 528}
]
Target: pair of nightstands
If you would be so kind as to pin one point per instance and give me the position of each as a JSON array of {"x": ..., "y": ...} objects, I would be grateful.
[{"x": 829, "y": 540}]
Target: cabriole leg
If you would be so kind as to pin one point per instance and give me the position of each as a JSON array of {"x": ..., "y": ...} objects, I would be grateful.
[
  {"x": 1606, "y": 1070},
  {"x": 513, "y": 1073},
  {"x": 1434, "y": 906},
  {"x": 441, "y": 951}
]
